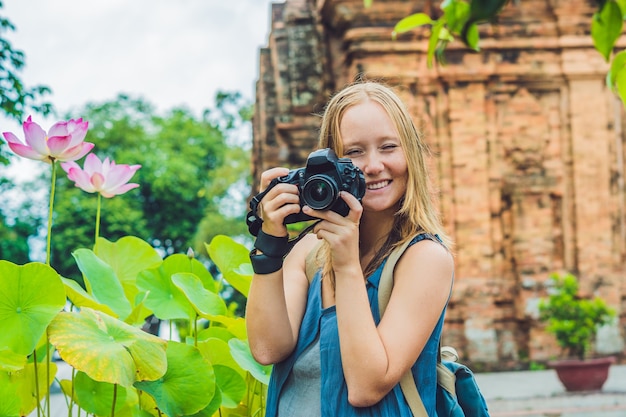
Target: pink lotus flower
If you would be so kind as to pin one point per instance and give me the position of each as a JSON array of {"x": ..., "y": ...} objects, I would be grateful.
[
  {"x": 64, "y": 141},
  {"x": 104, "y": 177}
]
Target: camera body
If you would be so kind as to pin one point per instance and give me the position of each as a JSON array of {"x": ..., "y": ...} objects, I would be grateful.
[{"x": 319, "y": 184}]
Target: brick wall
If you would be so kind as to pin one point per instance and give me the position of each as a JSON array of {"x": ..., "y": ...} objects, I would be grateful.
[{"x": 528, "y": 150}]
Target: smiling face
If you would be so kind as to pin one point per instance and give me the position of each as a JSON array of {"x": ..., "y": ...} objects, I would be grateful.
[{"x": 370, "y": 139}]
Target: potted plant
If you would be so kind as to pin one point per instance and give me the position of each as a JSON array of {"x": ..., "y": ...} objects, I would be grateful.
[{"x": 574, "y": 321}]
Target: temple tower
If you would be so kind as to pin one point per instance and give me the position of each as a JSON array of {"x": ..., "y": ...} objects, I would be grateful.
[{"x": 528, "y": 150}]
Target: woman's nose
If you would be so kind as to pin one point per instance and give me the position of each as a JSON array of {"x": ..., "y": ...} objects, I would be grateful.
[{"x": 373, "y": 164}]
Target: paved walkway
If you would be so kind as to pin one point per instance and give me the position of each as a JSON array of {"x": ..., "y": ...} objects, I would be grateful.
[
  {"x": 522, "y": 394},
  {"x": 541, "y": 394}
]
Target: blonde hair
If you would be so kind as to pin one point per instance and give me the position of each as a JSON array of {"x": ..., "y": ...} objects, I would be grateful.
[{"x": 417, "y": 212}]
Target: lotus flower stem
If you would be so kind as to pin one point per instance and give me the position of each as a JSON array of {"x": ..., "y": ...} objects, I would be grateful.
[
  {"x": 114, "y": 399},
  {"x": 36, "y": 382},
  {"x": 50, "y": 210},
  {"x": 47, "y": 374},
  {"x": 98, "y": 218},
  {"x": 71, "y": 406}
]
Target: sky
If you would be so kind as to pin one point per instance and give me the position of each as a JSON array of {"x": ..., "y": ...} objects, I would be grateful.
[{"x": 170, "y": 52}]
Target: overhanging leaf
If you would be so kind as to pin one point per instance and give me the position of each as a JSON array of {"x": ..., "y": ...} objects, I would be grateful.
[
  {"x": 456, "y": 14},
  {"x": 606, "y": 28},
  {"x": 617, "y": 64},
  {"x": 31, "y": 296},
  {"x": 205, "y": 302},
  {"x": 101, "y": 282},
  {"x": 433, "y": 40},
  {"x": 229, "y": 256},
  {"x": 472, "y": 37},
  {"x": 188, "y": 385},
  {"x": 107, "y": 349},
  {"x": 620, "y": 82},
  {"x": 411, "y": 22}
]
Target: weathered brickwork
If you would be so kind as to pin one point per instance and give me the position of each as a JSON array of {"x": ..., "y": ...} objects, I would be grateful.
[{"x": 528, "y": 150}]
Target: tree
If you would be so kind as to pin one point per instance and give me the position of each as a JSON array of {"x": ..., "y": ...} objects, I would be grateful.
[
  {"x": 186, "y": 173},
  {"x": 15, "y": 97},
  {"x": 15, "y": 100},
  {"x": 461, "y": 18}
]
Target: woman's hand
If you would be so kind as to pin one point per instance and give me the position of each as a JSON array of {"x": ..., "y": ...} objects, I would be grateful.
[
  {"x": 341, "y": 233},
  {"x": 281, "y": 201}
]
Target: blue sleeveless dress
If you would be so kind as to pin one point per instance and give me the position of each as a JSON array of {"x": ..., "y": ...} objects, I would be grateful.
[{"x": 334, "y": 391}]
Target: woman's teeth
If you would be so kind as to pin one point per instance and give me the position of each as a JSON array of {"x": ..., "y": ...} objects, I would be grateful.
[{"x": 377, "y": 185}]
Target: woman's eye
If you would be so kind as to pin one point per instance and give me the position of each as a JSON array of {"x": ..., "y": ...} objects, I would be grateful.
[
  {"x": 351, "y": 152},
  {"x": 390, "y": 146}
]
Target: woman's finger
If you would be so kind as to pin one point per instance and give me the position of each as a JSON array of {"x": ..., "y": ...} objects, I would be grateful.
[{"x": 270, "y": 174}]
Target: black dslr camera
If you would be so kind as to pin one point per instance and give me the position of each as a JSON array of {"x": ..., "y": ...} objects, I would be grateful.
[{"x": 319, "y": 184}]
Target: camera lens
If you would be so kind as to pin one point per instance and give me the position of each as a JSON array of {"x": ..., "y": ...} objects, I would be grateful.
[{"x": 319, "y": 192}]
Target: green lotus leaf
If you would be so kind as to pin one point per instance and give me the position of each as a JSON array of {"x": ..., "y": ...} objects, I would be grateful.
[
  {"x": 81, "y": 298},
  {"x": 235, "y": 325},
  {"x": 30, "y": 296},
  {"x": 229, "y": 256},
  {"x": 231, "y": 384},
  {"x": 128, "y": 408},
  {"x": 164, "y": 298},
  {"x": 188, "y": 385},
  {"x": 18, "y": 388},
  {"x": 205, "y": 302},
  {"x": 217, "y": 352},
  {"x": 97, "y": 397},
  {"x": 102, "y": 282},
  {"x": 11, "y": 361},
  {"x": 107, "y": 349},
  {"x": 216, "y": 332},
  {"x": 128, "y": 257},
  {"x": 139, "y": 313},
  {"x": 10, "y": 404},
  {"x": 214, "y": 405},
  {"x": 241, "y": 353}
]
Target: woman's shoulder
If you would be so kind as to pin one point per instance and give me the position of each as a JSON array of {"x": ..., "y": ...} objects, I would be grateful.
[
  {"x": 303, "y": 252},
  {"x": 429, "y": 253}
]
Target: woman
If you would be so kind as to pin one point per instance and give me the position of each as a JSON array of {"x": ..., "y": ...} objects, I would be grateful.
[{"x": 333, "y": 355}]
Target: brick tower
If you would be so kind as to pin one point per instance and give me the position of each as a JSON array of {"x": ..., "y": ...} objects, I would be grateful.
[{"x": 528, "y": 150}]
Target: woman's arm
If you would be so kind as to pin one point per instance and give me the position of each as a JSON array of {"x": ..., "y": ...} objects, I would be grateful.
[
  {"x": 277, "y": 300},
  {"x": 375, "y": 358},
  {"x": 276, "y": 305}
]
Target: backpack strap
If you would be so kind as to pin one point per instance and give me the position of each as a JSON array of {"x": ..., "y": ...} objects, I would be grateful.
[{"x": 385, "y": 285}]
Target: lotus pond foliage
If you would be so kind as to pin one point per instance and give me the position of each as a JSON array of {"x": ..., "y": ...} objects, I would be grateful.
[{"x": 118, "y": 368}]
